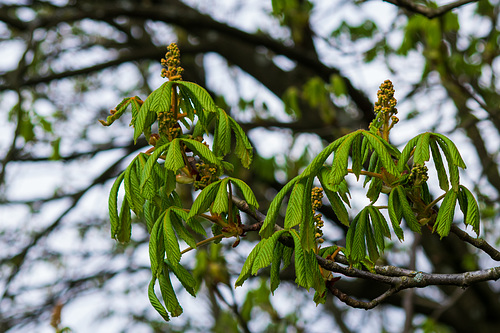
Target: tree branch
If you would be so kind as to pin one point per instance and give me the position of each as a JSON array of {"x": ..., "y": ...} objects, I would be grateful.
[{"x": 426, "y": 11}]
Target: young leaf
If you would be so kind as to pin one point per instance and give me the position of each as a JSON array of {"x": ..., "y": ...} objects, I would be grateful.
[
  {"x": 472, "y": 211},
  {"x": 452, "y": 167},
  {"x": 113, "y": 205},
  {"x": 246, "y": 191},
  {"x": 337, "y": 206},
  {"x": 307, "y": 228},
  {"x": 358, "y": 246},
  {"x": 317, "y": 163},
  {"x": 455, "y": 154},
  {"x": 300, "y": 262},
  {"x": 395, "y": 213},
  {"x": 247, "y": 266},
  {"x": 273, "y": 211},
  {"x": 202, "y": 151},
  {"x": 184, "y": 277},
  {"x": 199, "y": 96},
  {"x": 421, "y": 154},
  {"x": 221, "y": 202},
  {"x": 357, "y": 155},
  {"x": 438, "y": 162},
  {"x": 406, "y": 153},
  {"x": 157, "y": 101},
  {"x": 295, "y": 210},
  {"x": 171, "y": 244},
  {"x": 382, "y": 152},
  {"x": 408, "y": 214},
  {"x": 176, "y": 217},
  {"x": 275, "y": 266},
  {"x": 380, "y": 227},
  {"x": 174, "y": 160},
  {"x": 339, "y": 166},
  {"x": 265, "y": 254},
  {"x": 446, "y": 214},
  {"x": 125, "y": 227},
  {"x": 155, "y": 302},
  {"x": 222, "y": 135},
  {"x": 156, "y": 247},
  {"x": 148, "y": 168},
  {"x": 168, "y": 294},
  {"x": 371, "y": 244},
  {"x": 204, "y": 199},
  {"x": 243, "y": 148}
]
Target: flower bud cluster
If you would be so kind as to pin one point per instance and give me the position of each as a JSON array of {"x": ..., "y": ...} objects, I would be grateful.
[
  {"x": 172, "y": 69},
  {"x": 418, "y": 174},
  {"x": 316, "y": 196},
  {"x": 168, "y": 126}
]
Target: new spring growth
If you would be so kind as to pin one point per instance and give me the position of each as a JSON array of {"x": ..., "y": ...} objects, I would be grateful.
[
  {"x": 172, "y": 69},
  {"x": 385, "y": 111},
  {"x": 316, "y": 196}
]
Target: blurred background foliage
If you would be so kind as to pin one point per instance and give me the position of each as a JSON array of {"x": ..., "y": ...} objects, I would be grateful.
[{"x": 296, "y": 74}]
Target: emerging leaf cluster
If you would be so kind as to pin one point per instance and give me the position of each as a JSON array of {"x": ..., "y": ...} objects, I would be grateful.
[{"x": 183, "y": 113}]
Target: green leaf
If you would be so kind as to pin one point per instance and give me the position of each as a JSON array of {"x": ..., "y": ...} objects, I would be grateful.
[
  {"x": 171, "y": 244},
  {"x": 380, "y": 227},
  {"x": 438, "y": 162},
  {"x": 157, "y": 101},
  {"x": 421, "y": 154},
  {"x": 222, "y": 135},
  {"x": 455, "y": 154},
  {"x": 300, "y": 262},
  {"x": 202, "y": 151},
  {"x": 452, "y": 167},
  {"x": 341, "y": 158},
  {"x": 406, "y": 153},
  {"x": 113, "y": 205},
  {"x": 265, "y": 255},
  {"x": 275, "y": 266},
  {"x": 125, "y": 227},
  {"x": 371, "y": 244},
  {"x": 395, "y": 213},
  {"x": 472, "y": 215},
  {"x": 358, "y": 246},
  {"x": 152, "y": 160},
  {"x": 204, "y": 199},
  {"x": 176, "y": 217},
  {"x": 221, "y": 202},
  {"x": 446, "y": 214},
  {"x": 382, "y": 152},
  {"x": 174, "y": 160},
  {"x": 243, "y": 148},
  {"x": 357, "y": 156},
  {"x": 156, "y": 251},
  {"x": 273, "y": 211},
  {"x": 200, "y": 95},
  {"x": 168, "y": 294},
  {"x": 317, "y": 163},
  {"x": 155, "y": 302},
  {"x": 185, "y": 278},
  {"x": 247, "y": 266},
  {"x": 307, "y": 227},
  {"x": 246, "y": 191},
  {"x": 408, "y": 214},
  {"x": 337, "y": 206},
  {"x": 296, "y": 205}
]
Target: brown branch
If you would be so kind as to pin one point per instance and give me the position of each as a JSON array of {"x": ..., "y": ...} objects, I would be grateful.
[
  {"x": 476, "y": 242},
  {"x": 426, "y": 11}
]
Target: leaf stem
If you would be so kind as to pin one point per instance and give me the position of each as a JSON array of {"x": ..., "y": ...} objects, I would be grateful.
[
  {"x": 433, "y": 203},
  {"x": 203, "y": 242},
  {"x": 367, "y": 173}
]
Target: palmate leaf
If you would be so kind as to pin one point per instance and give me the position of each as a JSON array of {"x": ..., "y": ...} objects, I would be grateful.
[
  {"x": 452, "y": 167},
  {"x": 202, "y": 151},
  {"x": 454, "y": 153},
  {"x": 125, "y": 223},
  {"x": 275, "y": 266},
  {"x": 156, "y": 246},
  {"x": 301, "y": 267},
  {"x": 357, "y": 155},
  {"x": 357, "y": 244},
  {"x": 157, "y": 101},
  {"x": 152, "y": 160},
  {"x": 406, "y": 153},
  {"x": 177, "y": 215},
  {"x": 446, "y": 214}
]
